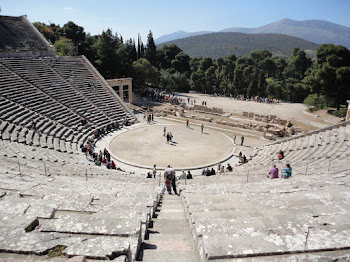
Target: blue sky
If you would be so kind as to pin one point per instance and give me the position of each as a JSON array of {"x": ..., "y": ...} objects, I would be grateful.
[{"x": 130, "y": 17}]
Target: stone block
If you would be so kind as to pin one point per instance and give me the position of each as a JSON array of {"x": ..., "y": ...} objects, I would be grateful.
[{"x": 91, "y": 224}]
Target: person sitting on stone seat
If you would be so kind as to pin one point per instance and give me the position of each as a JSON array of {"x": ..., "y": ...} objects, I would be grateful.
[
  {"x": 212, "y": 172},
  {"x": 189, "y": 175},
  {"x": 229, "y": 167},
  {"x": 287, "y": 172},
  {"x": 113, "y": 165},
  {"x": 222, "y": 170},
  {"x": 97, "y": 162},
  {"x": 207, "y": 172},
  {"x": 279, "y": 155},
  {"x": 282, "y": 154},
  {"x": 273, "y": 172},
  {"x": 183, "y": 175}
]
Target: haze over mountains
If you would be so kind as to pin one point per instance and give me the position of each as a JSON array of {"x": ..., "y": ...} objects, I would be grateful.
[{"x": 316, "y": 31}]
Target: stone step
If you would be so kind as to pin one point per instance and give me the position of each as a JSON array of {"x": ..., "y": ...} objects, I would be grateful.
[
  {"x": 172, "y": 214},
  {"x": 169, "y": 256},
  {"x": 170, "y": 226},
  {"x": 170, "y": 239}
]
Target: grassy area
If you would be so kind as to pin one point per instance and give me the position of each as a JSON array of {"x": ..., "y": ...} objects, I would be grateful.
[{"x": 56, "y": 251}]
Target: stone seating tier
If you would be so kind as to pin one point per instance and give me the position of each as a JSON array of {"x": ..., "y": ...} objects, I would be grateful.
[
  {"x": 100, "y": 218},
  {"x": 32, "y": 89},
  {"x": 231, "y": 218}
]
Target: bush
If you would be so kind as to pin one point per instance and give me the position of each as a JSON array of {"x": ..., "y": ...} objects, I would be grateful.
[
  {"x": 339, "y": 113},
  {"x": 315, "y": 102}
]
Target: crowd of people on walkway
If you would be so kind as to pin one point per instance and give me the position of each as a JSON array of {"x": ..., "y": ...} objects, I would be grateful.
[
  {"x": 149, "y": 117},
  {"x": 257, "y": 99},
  {"x": 100, "y": 158}
]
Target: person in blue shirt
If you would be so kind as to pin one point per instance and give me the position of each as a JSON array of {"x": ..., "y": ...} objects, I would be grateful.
[{"x": 287, "y": 171}]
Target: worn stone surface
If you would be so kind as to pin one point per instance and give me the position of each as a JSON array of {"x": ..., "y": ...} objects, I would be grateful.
[
  {"x": 91, "y": 224},
  {"x": 272, "y": 217},
  {"x": 77, "y": 259},
  {"x": 97, "y": 216}
]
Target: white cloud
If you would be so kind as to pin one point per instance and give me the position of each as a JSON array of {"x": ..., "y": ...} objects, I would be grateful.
[{"x": 68, "y": 8}]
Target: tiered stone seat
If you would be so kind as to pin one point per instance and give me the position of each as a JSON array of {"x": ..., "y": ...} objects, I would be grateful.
[
  {"x": 316, "y": 149},
  {"x": 77, "y": 72},
  {"x": 234, "y": 219},
  {"x": 53, "y": 84},
  {"x": 96, "y": 214},
  {"x": 37, "y": 90},
  {"x": 18, "y": 38}
]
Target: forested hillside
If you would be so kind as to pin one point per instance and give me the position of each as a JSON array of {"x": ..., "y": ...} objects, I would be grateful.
[{"x": 222, "y": 44}]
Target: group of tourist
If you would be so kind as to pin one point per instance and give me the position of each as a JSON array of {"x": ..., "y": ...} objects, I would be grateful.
[
  {"x": 185, "y": 176},
  {"x": 104, "y": 158},
  {"x": 170, "y": 179},
  {"x": 273, "y": 172},
  {"x": 191, "y": 101},
  {"x": 257, "y": 99},
  {"x": 101, "y": 158},
  {"x": 222, "y": 169},
  {"x": 149, "y": 117},
  {"x": 109, "y": 128},
  {"x": 207, "y": 172},
  {"x": 235, "y": 137},
  {"x": 169, "y": 137},
  {"x": 174, "y": 100}
]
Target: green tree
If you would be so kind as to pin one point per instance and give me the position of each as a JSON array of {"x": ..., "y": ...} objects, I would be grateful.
[
  {"x": 107, "y": 59},
  {"x": 294, "y": 73},
  {"x": 151, "y": 50},
  {"x": 174, "y": 81},
  {"x": 144, "y": 73},
  {"x": 46, "y": 31},
  {"x": 330, "y": 75},
  {"x": 314, "y": 101},
  {"x": 65, "y": 47},
  {"x": 181, "y": 63},
  {"x": 197, "y": 81},
  {"x": 166, "y": 54}
]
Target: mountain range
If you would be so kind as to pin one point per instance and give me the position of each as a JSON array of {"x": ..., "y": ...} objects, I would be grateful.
[{"x": 316, "y": 31}]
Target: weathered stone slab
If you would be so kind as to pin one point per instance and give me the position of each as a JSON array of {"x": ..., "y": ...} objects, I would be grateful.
[
  {"x": 99, "y": 247},
  {"x": 39, "y": 243},
  {"x": 91, "y": 224}
]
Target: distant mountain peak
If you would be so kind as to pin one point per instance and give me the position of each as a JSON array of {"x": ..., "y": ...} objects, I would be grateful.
[{"x": 316, "y": 31}]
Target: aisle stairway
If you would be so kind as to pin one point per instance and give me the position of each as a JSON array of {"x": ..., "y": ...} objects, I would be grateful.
[{"x": 170, "y": 239}]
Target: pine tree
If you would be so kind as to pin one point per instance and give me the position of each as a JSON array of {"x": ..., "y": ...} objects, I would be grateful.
[
  {"x": 139, "y": 43},
  {"x": 151, "y": 50}
]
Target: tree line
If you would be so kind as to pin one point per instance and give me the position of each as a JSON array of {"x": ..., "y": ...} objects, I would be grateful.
[{"x": 326, "y": 78}]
